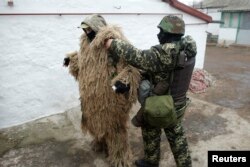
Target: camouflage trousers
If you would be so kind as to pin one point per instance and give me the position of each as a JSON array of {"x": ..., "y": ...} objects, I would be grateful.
[{"x": 177, "y": 141}]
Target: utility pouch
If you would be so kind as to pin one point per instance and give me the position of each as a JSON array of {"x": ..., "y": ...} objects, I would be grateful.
[
  {"x": 144, "y": 90},
  {"x": 161, "y": 88},
  {"x": 182, "y": 58},
  {"x": 160, "y": 112}
]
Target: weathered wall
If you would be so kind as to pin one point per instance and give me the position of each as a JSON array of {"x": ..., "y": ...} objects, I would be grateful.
[
  {"x": 227, "y": 36},
  {"x": 33, "y": 82}
]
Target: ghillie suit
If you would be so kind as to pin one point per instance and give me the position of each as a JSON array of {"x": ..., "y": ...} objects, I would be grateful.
[{"x": 105, "y": 113}]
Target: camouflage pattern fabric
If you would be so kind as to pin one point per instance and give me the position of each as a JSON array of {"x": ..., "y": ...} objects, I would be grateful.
[
  {"x": 157, "y": 60},
  {"x": 172, "y": 24},
  {"x": 95, "y": 22},
  {"x": 152, "y": 61},
  {"x": 151, "y": 141},
  {"x": 147, "y": 60},
  {"x": 179, "y": 145},
  {"x": 177, "y": 141},
  {"x": 189, "y": 45}
]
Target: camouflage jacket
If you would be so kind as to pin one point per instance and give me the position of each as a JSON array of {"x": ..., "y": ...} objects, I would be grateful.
[{"x": 159, "y": 60}]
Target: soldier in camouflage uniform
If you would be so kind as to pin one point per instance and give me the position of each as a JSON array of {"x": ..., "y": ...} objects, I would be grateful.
[{"x": 170, "y": 64}]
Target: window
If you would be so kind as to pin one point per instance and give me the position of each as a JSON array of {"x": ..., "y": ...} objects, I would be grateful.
[
  {"x": 231, "y": 20},
  {"x": 235, "y": 20},
  {"x": 245, "y": 21},
  {"x": 226, "y": 20}
]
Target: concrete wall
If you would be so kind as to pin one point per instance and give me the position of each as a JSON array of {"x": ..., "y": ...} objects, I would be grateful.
[
  {"x": 227, "y": 36},
  {"x": 33, "y": 82},
  {"x": 243, "y": 37}
]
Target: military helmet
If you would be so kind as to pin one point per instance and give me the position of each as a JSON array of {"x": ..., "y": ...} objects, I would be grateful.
[{"x": 172, "y": 24}]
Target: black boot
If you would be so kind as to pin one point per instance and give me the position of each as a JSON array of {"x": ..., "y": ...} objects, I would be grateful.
[{"x": 143, "y": 163}]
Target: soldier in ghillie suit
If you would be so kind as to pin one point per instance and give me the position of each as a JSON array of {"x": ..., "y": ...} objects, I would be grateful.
[
  {"x": 108, "y": 88},
  {"x": 169, "y": 68}
]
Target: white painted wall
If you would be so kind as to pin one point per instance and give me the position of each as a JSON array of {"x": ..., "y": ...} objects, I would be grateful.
[
  {"x": 198, "y": 32},
  {"x": 33, "y": 82},
  {"x": 213, "y": 28},
  {"x": 243, "y": 37},
  {"x": 227, "y": 36}
]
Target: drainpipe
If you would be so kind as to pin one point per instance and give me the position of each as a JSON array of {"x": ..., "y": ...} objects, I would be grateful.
[{"x": 238, "y": 27}]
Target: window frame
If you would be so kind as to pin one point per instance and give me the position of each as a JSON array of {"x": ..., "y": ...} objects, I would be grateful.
[{"x": 230, "y": 21}]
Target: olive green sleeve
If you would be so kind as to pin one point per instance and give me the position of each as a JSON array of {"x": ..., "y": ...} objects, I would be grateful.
[{"x": 148, "y": 60}]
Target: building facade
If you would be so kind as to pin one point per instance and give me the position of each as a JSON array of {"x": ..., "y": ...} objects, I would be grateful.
[
  {"x": 235, "y": 27},
  {"x": 36, "y": 35},
  {"x": 231, "y": 20}
]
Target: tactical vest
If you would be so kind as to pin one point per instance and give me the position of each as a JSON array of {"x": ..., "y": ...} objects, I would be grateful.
[{"x": 181, "y": 80}]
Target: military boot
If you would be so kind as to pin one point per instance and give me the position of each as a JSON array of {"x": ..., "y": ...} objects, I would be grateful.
[{"x": 143, "y": 163}]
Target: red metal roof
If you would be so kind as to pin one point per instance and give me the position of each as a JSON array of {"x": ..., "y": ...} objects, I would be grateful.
[{"x": 187, "y": 9}]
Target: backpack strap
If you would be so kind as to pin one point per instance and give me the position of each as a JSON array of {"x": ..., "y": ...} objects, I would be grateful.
[{"x": 171, "y": 78}]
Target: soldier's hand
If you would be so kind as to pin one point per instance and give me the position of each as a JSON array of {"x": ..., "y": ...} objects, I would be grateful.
[
  {"x": 120, "y": 87},
  {"x": 66, "y": 61}
]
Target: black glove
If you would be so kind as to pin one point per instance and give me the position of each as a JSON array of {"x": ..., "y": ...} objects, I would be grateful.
[
  {"x": 120, "y": 87},
  {"x": 66, "y": 61}
]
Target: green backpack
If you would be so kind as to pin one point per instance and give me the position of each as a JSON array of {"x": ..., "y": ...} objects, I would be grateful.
[{"x": 160, "y": 112}]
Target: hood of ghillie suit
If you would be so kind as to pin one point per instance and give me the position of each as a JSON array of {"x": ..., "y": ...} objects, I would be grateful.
[
  {"x": 95, "y": 83},
  {"x": 95, "y": 22}
]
